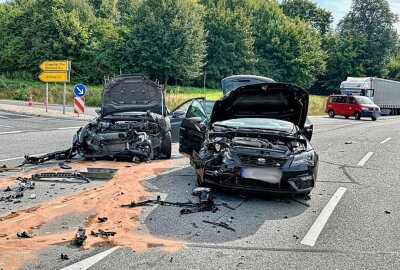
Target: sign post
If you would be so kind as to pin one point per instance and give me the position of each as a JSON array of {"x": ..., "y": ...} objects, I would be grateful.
[{"x": 55, "y": 71}]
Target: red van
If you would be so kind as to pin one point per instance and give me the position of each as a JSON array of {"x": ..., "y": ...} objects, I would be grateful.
[{"x": 357, "y": 106}]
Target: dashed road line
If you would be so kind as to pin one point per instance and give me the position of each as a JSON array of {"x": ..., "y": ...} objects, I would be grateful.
[
  {"x": 386, "y": 140},
  {"x": 65, "y": 128},
  {"x": 365, "y": 159},
  {"x": 5, "y": 126},
  {"x": 316, "y": 229},
  {"x": 12, "y": 132},
  {"x": 89, "y": 262}
]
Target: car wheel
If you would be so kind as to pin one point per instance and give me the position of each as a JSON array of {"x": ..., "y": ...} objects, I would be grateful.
[
  {"x": 166, "y": 145},
  {"x": 357, "y": 115},
  {"x": 373, "y": 118},
  {"x": 331, "y": 113}
]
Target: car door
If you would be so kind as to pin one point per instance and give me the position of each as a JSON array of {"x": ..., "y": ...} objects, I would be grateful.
[
  {"x": 193, "y": 128},
  {"x": 351, "y": 106},
  {"x": 177, "y": 115}
]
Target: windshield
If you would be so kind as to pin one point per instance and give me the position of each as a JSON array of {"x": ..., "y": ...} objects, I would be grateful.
[
  {"x": 364, "y": 100},
  {"x": 260, "y": 123}
]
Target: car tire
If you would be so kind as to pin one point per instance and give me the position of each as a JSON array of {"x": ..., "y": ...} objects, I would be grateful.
[
  {"x": 166, "y": 145},
  {"x": 357, "y": 115},
  {"x": 331, "y": 113},
  {"x": 373, "y": 118}
]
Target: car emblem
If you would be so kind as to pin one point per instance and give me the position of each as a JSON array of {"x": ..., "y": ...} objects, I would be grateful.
[{"x": 261, "y": 161}]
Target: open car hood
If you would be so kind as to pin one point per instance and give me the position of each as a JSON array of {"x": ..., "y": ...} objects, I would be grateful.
[
  {"x": 132, "y": 93},
  {"x": 267, "y": 100}
]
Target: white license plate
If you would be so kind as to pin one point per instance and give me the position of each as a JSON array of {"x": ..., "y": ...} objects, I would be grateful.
[{"x": 269, "y": 175}]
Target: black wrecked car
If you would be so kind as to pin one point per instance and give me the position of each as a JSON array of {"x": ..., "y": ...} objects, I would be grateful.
[
  {"x": 132, "y": 122},
  {"x": 254, "y": 140}
]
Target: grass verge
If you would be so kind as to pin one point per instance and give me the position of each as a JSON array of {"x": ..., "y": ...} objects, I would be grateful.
[{"x": 175, "y": 95}]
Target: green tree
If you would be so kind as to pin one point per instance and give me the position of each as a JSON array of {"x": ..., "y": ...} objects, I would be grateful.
[
  {"x": 166, "y": 39},
  {"x": 230, "y": 43},
  {"x": 288, "y": 50},
  {"x": 373, "y": 21},
  {"x": 308, "y": 11},
  {"x": 343, "y": 60}
]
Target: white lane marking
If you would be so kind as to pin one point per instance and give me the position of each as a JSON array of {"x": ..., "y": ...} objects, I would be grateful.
[
  {"x": 385, "y": 141},
  {"x": 21, "y": 218},
  {"x": 315, "y": 230},
  {"x": 365, "y": 159},
  {"x": 64, "y": 128},
  {"x": 15, "y": 158},
  {"x": 61, "y": 206},
  {"x": 89, "y": 262},
  {"x": 23, "y": 115},
  {"x": 12, "y": 132},
  {"x": 5, "y": 126},
  {"x": 3, "y": 117}
]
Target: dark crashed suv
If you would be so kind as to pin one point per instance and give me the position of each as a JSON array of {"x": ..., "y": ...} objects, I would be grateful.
[{"x": 254, "y": 140}]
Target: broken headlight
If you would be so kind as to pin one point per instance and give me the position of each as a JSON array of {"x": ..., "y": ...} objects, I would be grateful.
[{"x": 306, "y": 158}]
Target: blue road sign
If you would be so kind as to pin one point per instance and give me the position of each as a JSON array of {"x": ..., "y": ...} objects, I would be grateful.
[{"x": 79, "y": 90}]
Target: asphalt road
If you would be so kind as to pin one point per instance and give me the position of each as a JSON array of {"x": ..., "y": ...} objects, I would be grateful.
[{"x": 351, "y": 221}]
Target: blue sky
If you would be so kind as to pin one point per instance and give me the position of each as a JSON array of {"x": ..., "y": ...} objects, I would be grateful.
[{"x": 340, "y": 8}]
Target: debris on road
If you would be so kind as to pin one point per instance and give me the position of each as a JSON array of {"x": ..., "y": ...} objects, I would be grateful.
[
  {"x": 61, "y": 175},
  {"x": 99, "y": 173},
  {"x": 80, "y": 237},
  {"x": 64, "y": 166},
  {"x": 7, "y": 189},
  {"x": 387, "y": 212},
  {"x": 206, "y": 204},
  {"x": 58, "y": 155},
  {"x": 25, "y": 182},
  {"x": 220, "y": 224},
  {"x": 33, "y": 196},
  {"x": 24, "y": 234},
  {"x": 64, "y": 257},
  {"x": 102, "y": 219},
  {"x": 105, "y": 234}
]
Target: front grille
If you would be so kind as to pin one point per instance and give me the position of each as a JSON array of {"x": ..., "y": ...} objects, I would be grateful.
[{"x": 261, "y": 161}]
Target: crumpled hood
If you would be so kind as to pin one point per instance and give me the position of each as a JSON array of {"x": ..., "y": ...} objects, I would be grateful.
[
  {"x": 267, "y": 100},
  {"x": 132, "y": 93}
]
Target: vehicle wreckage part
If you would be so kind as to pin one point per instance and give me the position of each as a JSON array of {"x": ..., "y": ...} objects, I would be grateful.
[
  {"x": 58, "y": 155},
  {"x": 24, "y": 234},
  {"x": 80, "y": 237},
  {"x": 64, "y": 256},
  {"x": 220, "y": 224},
  {"x": 99, "y": 173},
  {"x": 62, "y": 175}
]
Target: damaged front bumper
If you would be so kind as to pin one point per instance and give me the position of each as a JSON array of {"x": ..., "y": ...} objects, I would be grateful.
[{"x": 266, "y": 178}]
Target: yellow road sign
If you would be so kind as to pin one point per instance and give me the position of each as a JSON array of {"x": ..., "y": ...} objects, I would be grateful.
[
  {"x": 54, "y": 77},
  {"x": 54, "y": 66}
]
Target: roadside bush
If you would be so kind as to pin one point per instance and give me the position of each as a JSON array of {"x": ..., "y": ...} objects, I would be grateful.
[{"x": 20, "y": 94}]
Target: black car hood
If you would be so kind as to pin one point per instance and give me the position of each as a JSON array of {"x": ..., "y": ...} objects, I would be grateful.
[
  {"x": 132, "y": 93},
  {"x": 267, "y": 100}
]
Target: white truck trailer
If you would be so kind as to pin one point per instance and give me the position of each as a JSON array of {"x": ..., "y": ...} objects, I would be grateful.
[{"x": 384, "y": 93}]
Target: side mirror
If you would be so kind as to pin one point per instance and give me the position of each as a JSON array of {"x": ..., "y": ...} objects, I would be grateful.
[
  {"x": 178, "y": 113},
  {"x": 307, "y": 132},
  {"x": 98, "y": 111}
]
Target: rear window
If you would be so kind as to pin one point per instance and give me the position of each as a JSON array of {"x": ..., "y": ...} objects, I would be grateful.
[{"x": 337, "y": 99}]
